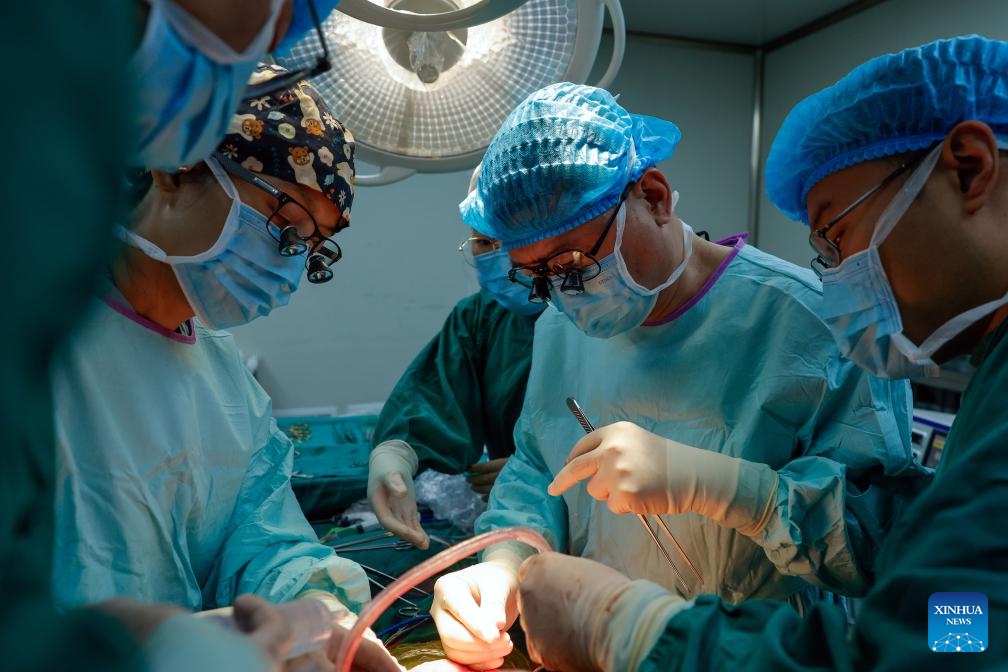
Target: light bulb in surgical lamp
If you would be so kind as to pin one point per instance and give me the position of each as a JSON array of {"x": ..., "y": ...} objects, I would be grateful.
[{"x": 425, "y": 54}]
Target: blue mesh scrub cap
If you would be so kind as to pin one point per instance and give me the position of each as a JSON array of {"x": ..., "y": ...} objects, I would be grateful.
[
  {"x": 892, "y": 104},
  {"x": 561, "y": 158}
]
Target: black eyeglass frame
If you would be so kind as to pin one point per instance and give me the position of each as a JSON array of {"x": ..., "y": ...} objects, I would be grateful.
[
  {"x": 572, "y": 281},
  {"x": 323, "y": 251},
  {"x": 323, "y": 64},
  {"x": 829, "y": 256}
]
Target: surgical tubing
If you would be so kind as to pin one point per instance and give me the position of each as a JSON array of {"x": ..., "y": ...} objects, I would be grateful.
[{"x": 422, "y": 572}]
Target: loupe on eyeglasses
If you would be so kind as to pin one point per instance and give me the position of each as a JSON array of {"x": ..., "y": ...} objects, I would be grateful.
[
  {"x": 572, "y": 284},
  {"x": 291, "y": 244},
  {"x": 540, "y": 292}
]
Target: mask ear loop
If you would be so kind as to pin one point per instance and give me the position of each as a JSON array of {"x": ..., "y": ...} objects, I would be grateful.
[
  {"x": 230, "y": 225},
  {"x": 195, "y": 34},
  {"x": 231, "y": 222},
  {"x": 919, "y": 354},
  {"x": 901, "y": 202},
  {"x": 617, "y": 250}
]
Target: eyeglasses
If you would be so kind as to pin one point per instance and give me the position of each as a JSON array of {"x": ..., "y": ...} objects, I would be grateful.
[
  {"x": 323, "y": 64},
  {"x": 293, "y": 226},
  {"x": 826, "y": 249},
  {"x": 570, "y": 268},
  {"x": 474, "y": 246}
]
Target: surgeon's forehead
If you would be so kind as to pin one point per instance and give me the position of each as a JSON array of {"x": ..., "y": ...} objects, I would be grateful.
[{"x": 581, "y": 237}]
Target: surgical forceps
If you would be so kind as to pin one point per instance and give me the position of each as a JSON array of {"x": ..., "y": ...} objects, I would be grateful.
[
  {"x": 410, "y": 609},
  {"x": 372, "y": 543},
  {"x": 572, "y": 404}
]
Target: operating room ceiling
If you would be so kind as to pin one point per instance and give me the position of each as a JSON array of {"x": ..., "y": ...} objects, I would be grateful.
[{"x": 750, "y": 23}]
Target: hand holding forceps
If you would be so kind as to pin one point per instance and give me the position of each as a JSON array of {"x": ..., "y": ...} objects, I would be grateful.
[{"x": 588, "y": 428}]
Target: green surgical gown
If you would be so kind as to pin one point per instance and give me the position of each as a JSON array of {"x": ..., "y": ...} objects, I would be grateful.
[
  {"x": 953, "y": 539},
  {"x": 464, "y": 389},
  {"x": 65, "y": 119}
]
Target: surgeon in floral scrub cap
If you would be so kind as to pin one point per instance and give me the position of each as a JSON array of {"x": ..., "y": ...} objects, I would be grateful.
[{"x": 173, "y": 480}]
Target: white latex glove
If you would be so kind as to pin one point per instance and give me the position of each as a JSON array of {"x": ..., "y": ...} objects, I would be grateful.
[
  {"x": 313, "y": 661},
  {"x": 581, "y": 616},
  {"x": 371, "y": 656},
  {"x": 474, "y": 607},
  {"x": 390, "y": 489},
  {"x": 636, "y": 471},
  {"x": 261, "y": 622},
  {"x": 482, "y": 475},
  {"x": 250, "y": 636}
]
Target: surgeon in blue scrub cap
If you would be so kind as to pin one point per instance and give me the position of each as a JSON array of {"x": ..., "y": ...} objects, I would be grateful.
[
  {"x": 901, "y": 170},
  {"x": 778, "y": 466}
]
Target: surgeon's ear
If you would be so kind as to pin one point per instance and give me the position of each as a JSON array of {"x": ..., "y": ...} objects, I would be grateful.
[
  {"x": 658, "y": 195},
  {"x": 971, "y": 150}
]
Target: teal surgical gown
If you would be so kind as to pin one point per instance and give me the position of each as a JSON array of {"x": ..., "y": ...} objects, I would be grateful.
[
  {"x": 67, "y": 112},
  {"x": 464, "y": 389},
  {"x": 953, "y": 539},
  {"x": 747, "y": 369},
  {"x": 173, "y": 481}
]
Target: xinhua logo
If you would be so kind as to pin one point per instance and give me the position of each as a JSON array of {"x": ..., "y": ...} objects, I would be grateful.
[{"x": 957, "y": 623}]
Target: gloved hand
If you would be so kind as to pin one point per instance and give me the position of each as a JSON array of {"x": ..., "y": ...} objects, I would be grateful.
[
  {"x": 640, "y": 472},
  {"x": 313, "y": 661},
  {"x": 482, "y": 475},
  {"x": 580, "y": 615},
  {"x": 390, "y": 489},
  {"x": 251, "y": 636},
  {"x": 474, "y": 607},
  {"x": 261, "y": 621},
  {"x": 371, "y": 656}
]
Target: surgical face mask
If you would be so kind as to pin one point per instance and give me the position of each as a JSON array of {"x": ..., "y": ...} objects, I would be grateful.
[
  {"x": 860, "y": 309},
  {"x": 191, "y": 84},
  {"x": 242, "y": 276},
  {"x": 492, "y": 272},
  {"x": 613, "y": 302}
]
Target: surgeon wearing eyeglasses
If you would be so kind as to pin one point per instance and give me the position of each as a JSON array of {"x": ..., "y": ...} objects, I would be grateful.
[
  {"x": 462, "y": 393},
  {"x": 721, "y": 401},
  {"x": 908, "y": 221},
  {"x": 173, "y": 479}
]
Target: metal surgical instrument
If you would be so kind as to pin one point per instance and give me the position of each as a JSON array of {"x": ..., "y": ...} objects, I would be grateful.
[
  {"x": 391, "y": 578},
  {"x": 409, "y": 611},
  {"x": 371, "y": 543},
  {"x": 572, "y": 404}
]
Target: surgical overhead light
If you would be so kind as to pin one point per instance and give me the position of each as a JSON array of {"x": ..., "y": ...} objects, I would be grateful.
[{"x": 424, "y": 85}]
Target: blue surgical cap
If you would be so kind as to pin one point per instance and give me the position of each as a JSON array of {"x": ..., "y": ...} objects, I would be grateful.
[
  {"x": 561, "y": 158},
  {"x": 890, "y": 105}
]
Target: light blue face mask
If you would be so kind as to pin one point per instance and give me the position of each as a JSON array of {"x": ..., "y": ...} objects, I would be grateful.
[
  {"x": 492, "y": 272},
  {"x": 613, "y": 302},
  {"x": 860, "y": 309},
  {"x": 242, "y": 276},
  {"x": 190, "y": 85}
]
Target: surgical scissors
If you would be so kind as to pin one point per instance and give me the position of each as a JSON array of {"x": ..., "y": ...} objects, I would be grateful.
[{"x": 572, "y": 404}]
